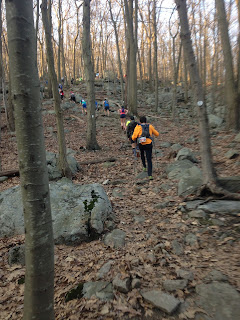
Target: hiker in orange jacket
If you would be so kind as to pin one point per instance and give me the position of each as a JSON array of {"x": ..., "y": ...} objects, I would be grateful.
[{"x": 143, "y": 134}]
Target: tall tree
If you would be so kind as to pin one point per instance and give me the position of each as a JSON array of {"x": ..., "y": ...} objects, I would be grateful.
[
  {"x": 39, "y": 255},
  {"x": 89, "y": 74},
  {"x": 233, "y": 120},
  {"x": 210, "y": 182},
  {"x": 131, "y": 20},
  {"x": 118, "y": 49},
  {"x": 62, "y": 159}
]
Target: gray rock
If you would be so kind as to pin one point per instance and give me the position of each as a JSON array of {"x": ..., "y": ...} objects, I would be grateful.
[
  {"x": 115, "y": 239},
  {"x": 53, "y": 171},
  {"x": 136, "y": 283},
  {"x": 118, "y": 193},
  {"x": 122, "y": 285},
  {"x": 139, "y": 219},
  {"x": 161, "y": 300},
  {"x": 237, "y": 138},
  {"x": 99, "y": 289},
  {"x": 186, "y": 154},
  {"x": 198, "y": 214},
  {"x": 216, "y": 275},
  {"x": 172, "y": 285},
  {"x": 217, "y": 222},
  {"x": 191, "y": 239},
  {"x": 176, "y": 169},
  {"x": 191, "y": 181},
  {"x": 214, "y": 121},
  {"x": 165, "y": 144},
  {"x": 78, "y": 98},
  {"x": 177, "y": 248},
  {"x": 165, "y": 186},
  {"x": 104, "y": 269},
  {"x": 221, "y": 207},
  {"x": 232, "y": 154},
  {"x": 4, "y": 178},
  {"x": 66, "y": 105},
  {"x": 176, "y": 147},
  {"x": 78, "y": 211},
  {"x": 161, "y": 205},
  {"x": 184, "y": 274},
  {"x": 231, "y": 184},
  {"x": 220, "y": 300},
  {"x": 16, "y": 255},
  {"x": 142, "y": 175},
  {"x": 108, "y": 164}
]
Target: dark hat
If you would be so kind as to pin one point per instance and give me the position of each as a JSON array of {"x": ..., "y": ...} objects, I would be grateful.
[{"x": 132, "y": 117}]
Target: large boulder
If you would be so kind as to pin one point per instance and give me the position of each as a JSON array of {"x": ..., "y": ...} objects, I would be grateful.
[
  {"x": 190, "y": 182},
  {"x": 176, "y": 170},
  {"x": 78, "y": 211}
]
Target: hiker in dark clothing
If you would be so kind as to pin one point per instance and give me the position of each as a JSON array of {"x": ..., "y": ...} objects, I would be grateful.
[{"x": 130, "y": 129}]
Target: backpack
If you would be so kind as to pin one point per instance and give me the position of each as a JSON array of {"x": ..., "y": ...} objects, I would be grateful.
[
  {"x": 106, "y": 104},
  {"x": 130, "y": 128},
  {"x": 145, "y": 133}
]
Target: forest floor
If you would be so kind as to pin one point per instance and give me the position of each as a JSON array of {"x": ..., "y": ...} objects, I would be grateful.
[{"x": 138, "y": 259}]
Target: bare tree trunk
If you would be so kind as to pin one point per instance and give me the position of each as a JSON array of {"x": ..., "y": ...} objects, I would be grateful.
[
  {"x": 155, "y": 54},
  {"x": 233, "y": 120},
  {"x": 132, "y": 74},
  {"x": 89, "y": 74},
  {"x": 118, "y": 50},
  {"x": 209, "y": 175},
  {"x": 59, "y": 39},
  {"x": 238, "y": 61},
  {"x": 62, "y": 159},
  {"x": 39, "y": 248}
]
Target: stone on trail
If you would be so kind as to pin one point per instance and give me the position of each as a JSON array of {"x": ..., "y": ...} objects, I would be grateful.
[
  {"x": 190, "y": 182},
  {"x": 177, "y": 248},
  {"x": 115, "y": 239},
  {"x": 220, "y": 300},
  {"x": 232, "y": 154},
  {"x": 230, "y": 207},
  {"x": 186, "y": 154},
  {"x": 191, "y": 239},
  {"x": 161, "y": 300},
  {"x": 122, "y": 285},
  {"x": 237, "y": 138},
  {"x": 16, "y": 255},
  {"x": 99, "y": 289},
  {"x": 176, "y": 169},
  {"x": 78, "y": 211},
  {"x": 104, "y": 269},
  {"x": 172, "y": 285},
  {"x": 216, "y": 275},
  {"x": 184, "y": 274}
]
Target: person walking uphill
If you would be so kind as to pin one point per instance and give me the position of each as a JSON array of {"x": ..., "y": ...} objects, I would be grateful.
[
  {"x": 123, "y": 112},
  {"x": 143, "y": 134}
]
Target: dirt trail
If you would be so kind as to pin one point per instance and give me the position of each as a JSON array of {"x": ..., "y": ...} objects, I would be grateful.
[{"x": 146, "y": 226}]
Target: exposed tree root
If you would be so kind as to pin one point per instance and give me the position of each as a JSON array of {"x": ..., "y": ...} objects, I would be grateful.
[{"x": 215, "y": 192}]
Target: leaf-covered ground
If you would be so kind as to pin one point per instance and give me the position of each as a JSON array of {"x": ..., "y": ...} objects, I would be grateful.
[{"x": 141, "y": 257}]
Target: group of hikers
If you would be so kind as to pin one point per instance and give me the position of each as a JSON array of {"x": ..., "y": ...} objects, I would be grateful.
[{"x": 139, "y": 134}]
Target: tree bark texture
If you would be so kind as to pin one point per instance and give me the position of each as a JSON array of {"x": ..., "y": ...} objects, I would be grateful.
[
  {"x": 62, "y": 159},
  {"x": 230, "y": 85},
  {"x": 209, "y": 175},
  {"x": 89, "y": 74},
  {"x": 132, "y": 71},
  {"x": 39, "y": 255}
]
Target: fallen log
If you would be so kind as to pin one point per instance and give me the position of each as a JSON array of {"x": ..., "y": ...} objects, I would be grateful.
[
  {"x": 97, "y": 161},
  {"x": 10, "y": 173}
]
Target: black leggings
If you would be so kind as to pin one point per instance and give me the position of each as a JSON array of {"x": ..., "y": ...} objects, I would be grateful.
[{"x": 147, "y": 148}]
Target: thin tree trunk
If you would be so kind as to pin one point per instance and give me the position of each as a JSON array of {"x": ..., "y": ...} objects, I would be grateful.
[
  {"x": 118, "y": 50},
  {"x": 155, "y": 55},
  {"x": 89, "y": 74},
  {"x": 231, "y": 89},
  {"x": 209, "y": 175},
  {"x": 62, "y": 159},
  {"x": 39, "y": 248}
]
